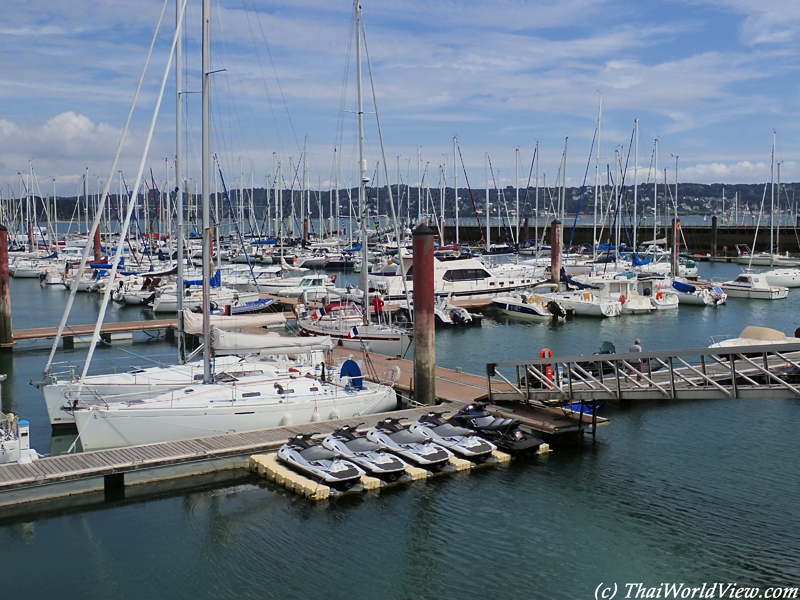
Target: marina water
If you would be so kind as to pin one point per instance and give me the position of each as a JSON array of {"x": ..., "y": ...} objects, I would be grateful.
[{"x": 674, "y": 491}]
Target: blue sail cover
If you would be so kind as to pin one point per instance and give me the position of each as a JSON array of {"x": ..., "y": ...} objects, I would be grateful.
[
  {"x": 578, "y": 284},
  {"x": 216, "y": 280},
  {"x": 356, "y": 249},
  {"x": 683, "y": 287},
  {"x": 637, "y": 262}
]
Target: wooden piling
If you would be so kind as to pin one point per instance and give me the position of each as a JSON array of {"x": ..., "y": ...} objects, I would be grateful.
[
  {"x": 714, "y": 235},
  {"x": 555, "y": 251},
  {"x": 424, "y": 319},
  {"x": 98, "y": 250},
  {"x": 6, "y": 332}
]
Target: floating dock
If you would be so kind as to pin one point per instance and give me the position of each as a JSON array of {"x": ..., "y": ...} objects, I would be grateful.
[{"x": 111, "y": 471}]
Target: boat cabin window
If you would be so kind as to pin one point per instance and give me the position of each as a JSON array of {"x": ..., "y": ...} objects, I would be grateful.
[
  {"x": 742, "y": 279},
  {"x": 465, "y": 274}
]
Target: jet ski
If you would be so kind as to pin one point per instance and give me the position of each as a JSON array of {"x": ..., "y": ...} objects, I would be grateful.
[
  {"x": 461, "y": 441},
  {"x": 412, "y": 446},
  {"x": 370, "y": 456},
  {"x": 301, "y": 454},
  {"x": 504, "y": 433}
]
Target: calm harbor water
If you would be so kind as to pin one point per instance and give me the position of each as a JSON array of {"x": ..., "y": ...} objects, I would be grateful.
[{"x": 673, "y": 492}]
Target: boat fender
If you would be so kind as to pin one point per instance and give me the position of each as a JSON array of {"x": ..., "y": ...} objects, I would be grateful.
[
  {"x": 660, "y": 296},
  {"x": 622, "y": 298}
]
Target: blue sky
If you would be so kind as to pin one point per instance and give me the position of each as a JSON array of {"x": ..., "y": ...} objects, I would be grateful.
[{"x": 710, "y": 79}]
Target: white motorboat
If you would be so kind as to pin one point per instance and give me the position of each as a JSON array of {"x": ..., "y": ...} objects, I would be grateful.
[
  {"x": 756, "y": 336},
  {"x": 344, "y": 322},
  {"x": 697, "y": 295},
  {"x": 659, "y": 291},
  {"x": 754, "y": 286},
  {"x": 622, "y": 287},
  {"x": 313, "y": 287},
  {"x": 193, "y": 298},
  {"x": 15, "y": 440},
  {"x": 274, "y": 398},
  {"x": 463, "y": 279},
  {"x": 529, "y": 306},
  {"x": 786, "y": 277}
]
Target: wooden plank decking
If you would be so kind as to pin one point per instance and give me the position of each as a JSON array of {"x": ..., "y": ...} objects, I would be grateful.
[
  {"x": 87, "y": 330},
  {"x": 60, "y": 469}
]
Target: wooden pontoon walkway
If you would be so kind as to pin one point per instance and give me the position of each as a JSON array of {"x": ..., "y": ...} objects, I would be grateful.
[
  {"x": 88, "y": 330},
  {"x": 58, "y": 476}
]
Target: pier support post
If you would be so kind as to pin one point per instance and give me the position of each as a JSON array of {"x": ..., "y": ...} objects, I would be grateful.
[
  {"x": 555, "y": 251},
  {"x": 98, "y": 250},
  {"x": 424, "y": 319},
  {"x": 6, "y": 333},
  {"x": 714, "y": 235}
]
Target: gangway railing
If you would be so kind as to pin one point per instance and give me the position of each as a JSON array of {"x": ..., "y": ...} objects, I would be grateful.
[{"x": 758, "y": 371}]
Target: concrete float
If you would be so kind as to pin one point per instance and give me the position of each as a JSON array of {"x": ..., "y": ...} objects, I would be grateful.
[{"x": 269, "y": 467}]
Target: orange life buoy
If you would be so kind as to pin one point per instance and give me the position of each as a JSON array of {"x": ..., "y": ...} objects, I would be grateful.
[
  {"x": 546, "y": 353},
  {"x": 333, "y": 277},
  {"x": 660, "y": 296},
  {"x": 622, "y": 298}
]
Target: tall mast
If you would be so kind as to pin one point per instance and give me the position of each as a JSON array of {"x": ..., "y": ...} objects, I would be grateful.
[
  {"x": 635, "y": 180},
  {"x": 536, "y": 217},
  {"x": 597, "y": 176},
  {"x": 488, "y": 207},
  {"x": 516, "y": 187},
  {"x": 772, "y": 202},
  {"x": 655, "y": 202},
  {"x": 362, "y": 170},
  {"x": 206, "y": 185},
  {"x": 179, "y": 175},
  {"x": 336, "y": 185},
  {"x": 455, "y": 181}
]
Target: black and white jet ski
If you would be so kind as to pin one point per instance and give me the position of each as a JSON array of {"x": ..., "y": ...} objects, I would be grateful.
[
  {"x": 301, "y": 454},
  {"x": 370, "y": 456},
  {"x": 462, "y": 442},
  {"x": 504, "y": 433},
  {"x": 412, "y": 446}
]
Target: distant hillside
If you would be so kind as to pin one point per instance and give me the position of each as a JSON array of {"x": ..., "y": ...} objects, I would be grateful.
[{"x": 694, "y": 198}]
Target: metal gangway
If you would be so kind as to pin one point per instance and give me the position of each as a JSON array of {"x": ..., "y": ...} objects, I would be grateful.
[{"x": 758, "y": 371}]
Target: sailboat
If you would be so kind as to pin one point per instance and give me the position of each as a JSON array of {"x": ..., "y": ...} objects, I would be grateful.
[{"x": 269, "y": 396}]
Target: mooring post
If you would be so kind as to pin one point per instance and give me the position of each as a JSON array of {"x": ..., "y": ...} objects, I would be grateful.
[
  {"x": 31, "y": 239},
  {"x": 98, "y": 251},
  {"x": 555, "y": 252},
  {"x": 528, "y": 235},
  {"x": 714, "y": 235},
  {"x": 424, "y": 319},
  {"x": 305, "y": 232},
  {"x": 6, "y": 333}
]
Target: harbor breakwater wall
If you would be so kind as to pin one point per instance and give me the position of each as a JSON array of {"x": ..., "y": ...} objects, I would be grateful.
[{"x": 696, "y": 239}]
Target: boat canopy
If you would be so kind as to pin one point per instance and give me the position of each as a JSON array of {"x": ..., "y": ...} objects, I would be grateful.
[
  {"x": 216, "y": 280},
  {"x": 683, "y": 287},
  {"x": 227, "y": 342}
]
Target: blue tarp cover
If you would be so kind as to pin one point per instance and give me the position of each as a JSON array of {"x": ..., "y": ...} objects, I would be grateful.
[{"x": 683, "y": 287}]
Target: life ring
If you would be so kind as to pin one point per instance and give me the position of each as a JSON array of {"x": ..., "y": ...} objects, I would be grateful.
[
  {"x": 622, "y": 298},
  {"x": 660, "y": 296},
  {"x": 333, "y": 277},
  {"x": 546, "y": 353}
]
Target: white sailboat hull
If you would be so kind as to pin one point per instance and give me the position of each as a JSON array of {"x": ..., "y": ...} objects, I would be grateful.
[{"x": 133, "y": 426}]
